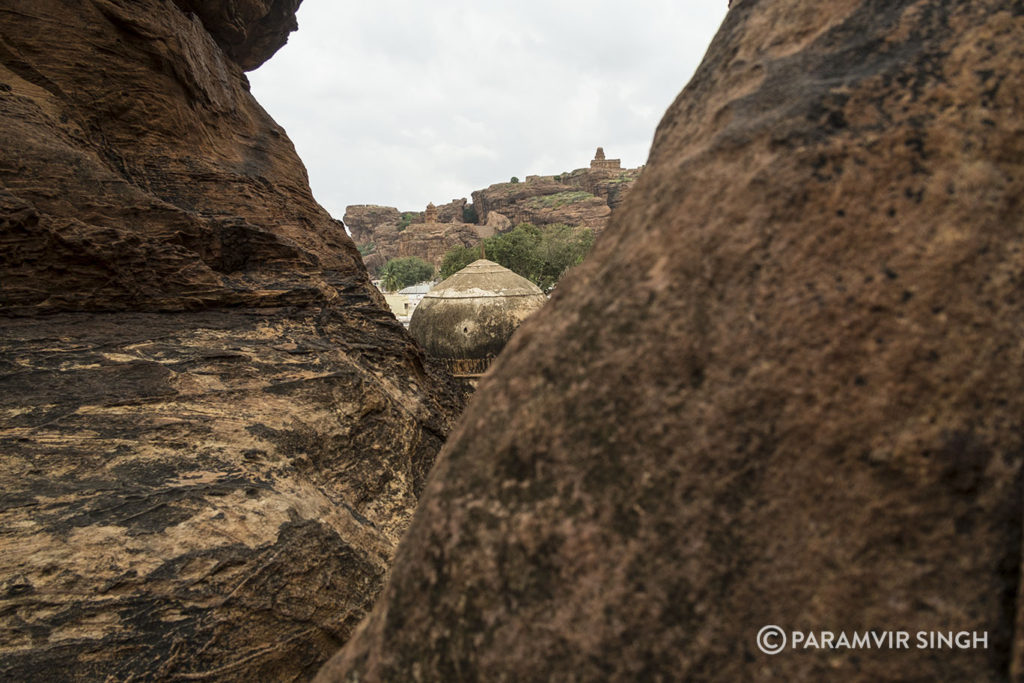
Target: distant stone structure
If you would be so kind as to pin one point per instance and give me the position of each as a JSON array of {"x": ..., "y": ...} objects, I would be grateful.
[
  {"x": 430, "y": 215},
  {"x": 600, "y": 163}
]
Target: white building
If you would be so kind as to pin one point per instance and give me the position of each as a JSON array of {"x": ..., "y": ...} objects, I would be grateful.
[{"x": 404, "y": 301}]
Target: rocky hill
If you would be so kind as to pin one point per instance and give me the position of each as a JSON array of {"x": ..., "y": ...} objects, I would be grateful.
[
  {"x": 785, "y": 389},
  {"x": 584, "y": 197},
  {"x": 212, "y": 432}
]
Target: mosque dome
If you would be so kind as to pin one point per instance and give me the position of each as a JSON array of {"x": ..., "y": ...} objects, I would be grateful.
[{"x": 472, "y": 314}]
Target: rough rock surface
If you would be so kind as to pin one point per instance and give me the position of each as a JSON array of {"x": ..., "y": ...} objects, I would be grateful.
[
  {"x": 213, "y": 433},
  {"x": 453, "y": 211},
  {"x": 786, "y": 388},
  {"x": 385, "y": 233},
  {"x": 365, "y": 220},
  {"x": 431, "y": 241},
  {"x": 249, "y": 31},
  {"x": 610, "y": 185},
  {"x": 542, "y": 200}
]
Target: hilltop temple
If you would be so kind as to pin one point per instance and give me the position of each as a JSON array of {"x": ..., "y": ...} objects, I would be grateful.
[{"x": 599, "y": 163}]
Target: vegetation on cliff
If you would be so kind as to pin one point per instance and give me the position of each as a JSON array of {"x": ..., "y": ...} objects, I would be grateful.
[
  {"x": 551, "y": 201},
  {"x": 407, "y": 218}
]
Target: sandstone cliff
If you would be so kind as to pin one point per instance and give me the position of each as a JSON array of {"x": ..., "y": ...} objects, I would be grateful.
[
  {"x": 212, "y": 432},
  {"x": 542, "y": 200},
  {"x": 785, "y": 388},
  {"x": 431, "y": 241},
  {"x": 383, "y": 233},
  {"x": 584, "y": 197}
]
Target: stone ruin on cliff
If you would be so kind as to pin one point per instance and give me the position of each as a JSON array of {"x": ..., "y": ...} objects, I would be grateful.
[{"x": 599, "y": 163}]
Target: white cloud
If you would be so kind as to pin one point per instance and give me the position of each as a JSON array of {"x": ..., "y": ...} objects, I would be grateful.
[{"x": 401, "y": 103}]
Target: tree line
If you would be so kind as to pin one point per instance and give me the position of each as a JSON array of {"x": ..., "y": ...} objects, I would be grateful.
[{"x": 541, "y": 254}]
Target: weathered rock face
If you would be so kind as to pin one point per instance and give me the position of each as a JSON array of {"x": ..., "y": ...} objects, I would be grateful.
[
  {"x": 384, "y": 233},
  {"x": 364, "y": 220},
  {"x": 249, "y": 31},
  {"x": 213, "y": 433},
  {"x": 610, "y": 185},
  {"x": 542, "y": 200},
  {"x": 453, "y": 211},
  {"x": 786, "y": 388},
  {"x": 431, "y": 241}
]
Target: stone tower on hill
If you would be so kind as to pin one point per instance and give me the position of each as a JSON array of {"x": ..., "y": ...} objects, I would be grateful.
[{"x": 600, "y": 163}]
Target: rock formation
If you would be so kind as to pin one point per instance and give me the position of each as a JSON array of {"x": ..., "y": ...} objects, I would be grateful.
[
  {"x": 584, "y": 197},
  {"x": 431, "y": 241},
  {"x": 384, "y": 233},
  {"x": 786, "y": 388},
  {"x": 213, "y": 434},
  {"x": 610, "y": 185},
  {"x": 542, "y": 200},
  {"x": 364, "y": 221}
]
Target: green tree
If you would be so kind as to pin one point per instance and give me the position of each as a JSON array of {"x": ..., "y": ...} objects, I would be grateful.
[
  {"x": 561, "y": 247},
  {"x": 540, "y": 254},
  {"x": 458, "y": 258},
  {"x": 514, "y": 180},
  {"x": 399, "y": 273},
  {"x": 407, "y": 218},
  {"x": 517, "y": 250}
]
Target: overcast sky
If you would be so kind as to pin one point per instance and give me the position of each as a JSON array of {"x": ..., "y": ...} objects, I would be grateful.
[{"x": 404, "y": 102}]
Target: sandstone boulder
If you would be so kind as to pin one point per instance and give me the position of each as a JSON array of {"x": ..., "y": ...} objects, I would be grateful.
[
  {"x": 542, "y": 200},
  {"x": 452, "y": 212},
  {"x": 498, "y": 222},
  {"x": 213, "y": 433},
  {"x": 786, "y": 388},
  {"x": 610, "y": 185},
  {"x": 366, "y": 220}
]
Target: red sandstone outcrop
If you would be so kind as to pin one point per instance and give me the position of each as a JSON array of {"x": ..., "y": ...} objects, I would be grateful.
[
  {"x": 453, "y": 212},
  {"x": 384, "y": 233},
  {"x": 366, "y": 221},
  {"x": 610, "y": 185},
  {"x": 431, "y": 241},
  {"x": 584, "y": 197},
  {"x": 542, "y": 200},
  {"x": 249, "y": 31},
  {"x": 786, "y": 387},
  {"x": 213, "y": 433}
]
